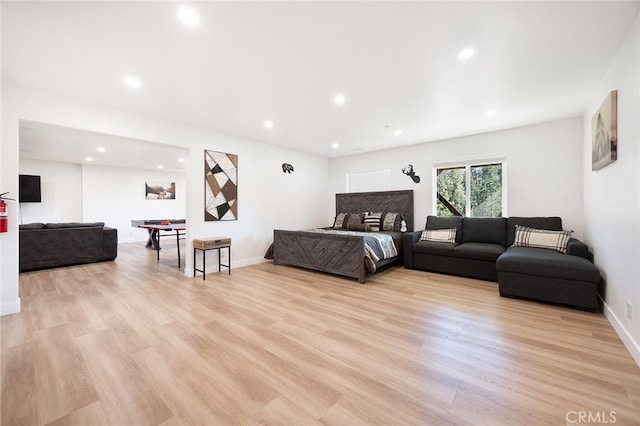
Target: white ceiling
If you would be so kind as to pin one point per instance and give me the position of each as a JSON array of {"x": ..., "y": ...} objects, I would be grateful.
[
  {"x": 396, "y": 63},
  {"x": 41, "y": 141}
]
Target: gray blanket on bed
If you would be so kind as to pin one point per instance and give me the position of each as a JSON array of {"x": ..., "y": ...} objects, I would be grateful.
[{"x": 377, "y": 246}]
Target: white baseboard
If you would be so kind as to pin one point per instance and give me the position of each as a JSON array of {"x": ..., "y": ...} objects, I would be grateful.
[
  {"x": 234, "y": 264},
  {"x": 10, "y": 308},
  {"x": 633, "y": 346},
  {"x": 250, "y": 261}
]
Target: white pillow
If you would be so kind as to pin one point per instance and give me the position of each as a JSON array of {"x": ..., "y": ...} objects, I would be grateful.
[{"x": 439, "y": 235}]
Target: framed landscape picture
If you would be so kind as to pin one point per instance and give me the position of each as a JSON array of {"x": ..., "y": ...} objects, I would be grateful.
[
  {"x": 604, "y": 133},
  {"x": 160, "y": 190}
]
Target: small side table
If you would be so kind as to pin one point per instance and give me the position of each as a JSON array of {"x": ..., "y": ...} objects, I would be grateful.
[{"x": 205, "y": 244}]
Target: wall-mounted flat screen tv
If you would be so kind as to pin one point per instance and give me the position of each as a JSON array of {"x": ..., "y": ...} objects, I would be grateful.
[{"x": 29, "y": 189}]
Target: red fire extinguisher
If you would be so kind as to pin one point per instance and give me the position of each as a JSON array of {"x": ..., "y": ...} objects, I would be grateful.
[{"x": 3, "y": 212}]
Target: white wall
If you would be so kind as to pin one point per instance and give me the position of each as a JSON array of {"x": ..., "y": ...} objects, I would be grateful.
[
  {"x": 544, "y": 169},
  {"x": 116, "y": 196},
  {"x": 268, "y": 198},
  {"x": 90, "y": 193},
  {"x": 9, "y": 299},
  {"x": 61, "y": 189},
  {"x": 612, "y": 194}
]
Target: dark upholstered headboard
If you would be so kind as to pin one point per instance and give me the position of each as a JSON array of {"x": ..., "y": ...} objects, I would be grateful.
[{"x": 385, "y": 201}]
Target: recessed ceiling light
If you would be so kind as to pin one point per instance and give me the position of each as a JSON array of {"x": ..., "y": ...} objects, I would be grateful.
[
  {"x": 466, "y": 54},
  {"x": 181, "y": 160},
  {"x": 398, "y": 132},
  {"x": 132, "y": 82},
  {"x": 160, "y": 166},
  {"x": 188, "y": 16},
  {"x": 335, "y": 145},
  {"x": 101, "y": 149},
  {"x": 268, "y": 124},
  {"x": 339, "y": 99},
  {"x": 88, "y": 159},
  {"x": 491, "y": 113}
]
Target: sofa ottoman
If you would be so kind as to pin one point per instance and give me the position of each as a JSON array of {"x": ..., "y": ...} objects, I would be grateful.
[{"x": 548, "y": 276}]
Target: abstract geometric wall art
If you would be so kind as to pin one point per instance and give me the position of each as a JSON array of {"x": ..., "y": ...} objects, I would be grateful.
[{"x": 221, "y": 186}]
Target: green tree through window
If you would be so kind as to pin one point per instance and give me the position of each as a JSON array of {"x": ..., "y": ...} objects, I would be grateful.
[
  {"x": 473, "y": 190},
  {"x": 452, "y": 189}
]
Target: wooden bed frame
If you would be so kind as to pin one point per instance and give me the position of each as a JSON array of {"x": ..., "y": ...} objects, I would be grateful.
[{"x": 340, "y": 254}]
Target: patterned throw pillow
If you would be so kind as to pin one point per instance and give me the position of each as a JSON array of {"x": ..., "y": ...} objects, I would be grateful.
[
  {"x": 360, "y": 227},
  {"x": 541, "y": 238},
  {"x": 352, "y": 218},
  {"x": 339, "y": 222},
  {"x": 391, "y": 222},
  {"x": 439, "y": 235},
  {"x": 373, "y": 220}
]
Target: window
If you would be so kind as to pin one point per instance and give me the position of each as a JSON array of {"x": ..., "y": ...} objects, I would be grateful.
[
  {"x": 375, "y": 180},
  {"x": 472, "y": 189}
]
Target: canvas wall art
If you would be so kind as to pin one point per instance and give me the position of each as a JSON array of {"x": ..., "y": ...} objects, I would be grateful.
[
  {"x": 604, "y": 131},
  {"x": 160, "y": 190},
  {"x": 221, "y": 186}
]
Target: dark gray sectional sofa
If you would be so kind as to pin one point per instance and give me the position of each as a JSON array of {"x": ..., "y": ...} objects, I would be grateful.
[
  {"x": 62, "y": 244},
  {"x": 483, "y": 249}
]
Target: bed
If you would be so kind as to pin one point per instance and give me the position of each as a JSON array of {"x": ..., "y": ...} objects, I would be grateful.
[{"x": 344, "y": 253}]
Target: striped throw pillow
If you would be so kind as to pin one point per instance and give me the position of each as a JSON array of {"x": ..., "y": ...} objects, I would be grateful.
[
  {"x": 439, "y": 235},
  {"x": 373, "y": 220},
  {"x": 541, "y": 238}
]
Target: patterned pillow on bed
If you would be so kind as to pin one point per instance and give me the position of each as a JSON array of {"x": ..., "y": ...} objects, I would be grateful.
[
  {"x": 373, "y": 220},
  {"x": 352, "y": 218},
  {"x": 339, "y": 222},
  {"x": 361, "y": 227},
  {"x": 391, "y": 222}
]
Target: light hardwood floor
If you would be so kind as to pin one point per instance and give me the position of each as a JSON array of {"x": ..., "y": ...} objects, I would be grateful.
[{"x": 134, "y": 342}]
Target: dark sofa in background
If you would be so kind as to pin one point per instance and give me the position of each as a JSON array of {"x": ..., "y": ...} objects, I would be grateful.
[
  {"x": 62, "y": 244},
  {"x": 483, "y": 249}
]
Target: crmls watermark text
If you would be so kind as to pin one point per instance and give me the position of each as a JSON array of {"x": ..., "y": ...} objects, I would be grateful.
[{"x": 585, "y": 417}]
